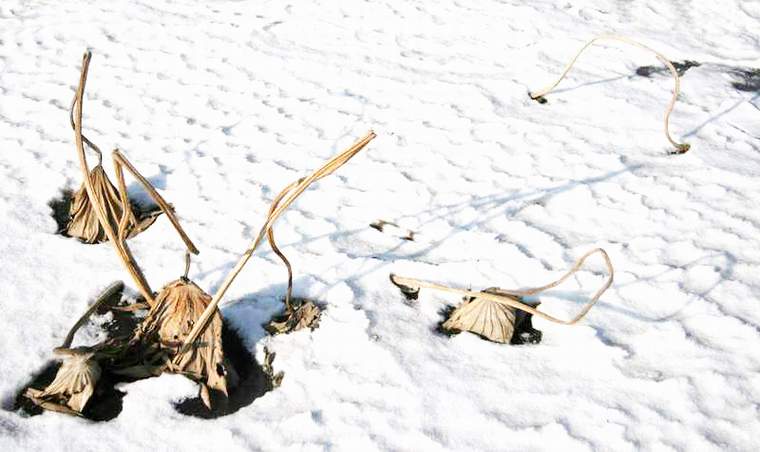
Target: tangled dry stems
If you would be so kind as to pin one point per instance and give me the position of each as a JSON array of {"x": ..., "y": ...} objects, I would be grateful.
[{"x": 182, "y": 331}]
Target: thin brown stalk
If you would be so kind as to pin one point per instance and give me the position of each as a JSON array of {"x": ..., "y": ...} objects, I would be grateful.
[
  {"x": 274, "y": 214},
  {"x": 120, "y": 161},
  {"x": 270, "y": 237},
  {"x": 680, "y": 147},
  {"x": 86, "y": 140}
]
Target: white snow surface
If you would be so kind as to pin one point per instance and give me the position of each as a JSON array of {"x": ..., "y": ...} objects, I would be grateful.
[{"x": 221, "y": 104}]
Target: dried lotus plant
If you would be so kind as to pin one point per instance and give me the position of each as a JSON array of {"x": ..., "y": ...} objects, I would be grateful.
[
  {"x": 158, "y": 338},
  {"x": 184, "y": 315},
  {"x": 116, "y": 222},
  {"x": 497, "y": 314},
  {"x": 173, "y": 311},
  {"x": 680, "y": 148},
  {"x": 295, "y": 316},
  {"x": 76, "y": 379},
  {"x": 84, "y": 222}
]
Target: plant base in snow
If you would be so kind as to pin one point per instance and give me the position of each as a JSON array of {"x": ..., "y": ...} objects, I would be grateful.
[
  {"x": 539, "y": 99},
  {"x": 305, "y": 315}
]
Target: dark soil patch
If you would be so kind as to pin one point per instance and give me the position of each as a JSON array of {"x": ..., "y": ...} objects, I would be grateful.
[
  {"x": 681, "y": 68},
  {"x": 60, "y": 207},
  {"x": 253, "y": 381},
  {"x": 748, "y": 79}
]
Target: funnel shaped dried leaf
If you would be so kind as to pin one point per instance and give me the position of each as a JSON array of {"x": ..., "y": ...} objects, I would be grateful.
[
  {"x": 73, "y": 385},
  {"x": 489, "y": 319},
  {"x": 178, "y": 307},
  {"x": 497, "y": 322},
  {"x": 84, "y": 223}
]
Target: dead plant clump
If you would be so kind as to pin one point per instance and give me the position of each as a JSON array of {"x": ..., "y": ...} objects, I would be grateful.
[
  {"x": 498, "y": 315},
  {"x": 158, "y": 338},
  {"x": 680, "y": 148},
  {"x": 182, "y": 332},
  {"x": 83, "y": 222},
  {"x": 299, "y": 314}
]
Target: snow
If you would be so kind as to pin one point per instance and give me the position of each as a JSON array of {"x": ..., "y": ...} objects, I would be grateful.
[{"x": 221, "y": 104}]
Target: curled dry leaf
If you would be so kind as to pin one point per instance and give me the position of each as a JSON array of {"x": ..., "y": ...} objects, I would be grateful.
[
  {"x": 84, "y": 223},
  {"x": 158, "y": 338},
  {"x": 305, "y": 315},
  {"x": 73, "y": 385}
]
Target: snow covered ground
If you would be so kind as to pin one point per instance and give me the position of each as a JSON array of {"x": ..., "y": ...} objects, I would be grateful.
[{"x": 221, "y": 104}]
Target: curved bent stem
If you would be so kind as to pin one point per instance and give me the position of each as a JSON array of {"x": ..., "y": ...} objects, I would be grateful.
[
  {"x": 327, "y": 169},
  {"x": 86, "y": 140},
  {"x": 105, "y": 295},
  {"x": 416, "y": 284},
  {"x": 119, "y": 161},
  {"x": 122, "y": 251},
  {"x": 270, "y": 237},
  {"x": 680, "y": 147}
]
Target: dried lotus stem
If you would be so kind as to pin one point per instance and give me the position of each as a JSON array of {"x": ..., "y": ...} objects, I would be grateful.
[
  {"x": 120, "y": 162},
  {"x": 270, "y": 237},
  {"x": 680, "y": 147},
  {"x": 86, "y": 140},
  {"x": 109, "y": 291},
  {"x": 411, "y": 287},
  {"x": 292, "y": 194}
]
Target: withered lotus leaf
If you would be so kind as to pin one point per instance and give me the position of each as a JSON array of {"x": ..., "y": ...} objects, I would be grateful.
[
  {"x": 159, "y": 337},
  {"x": 493, "y": 320},
  {"x": 73, "y": 385},
  {"x": 83, "y": 222}
]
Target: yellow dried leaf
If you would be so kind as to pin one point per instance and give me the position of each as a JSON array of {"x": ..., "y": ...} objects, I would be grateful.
[{"x": 178, "y": 307}]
